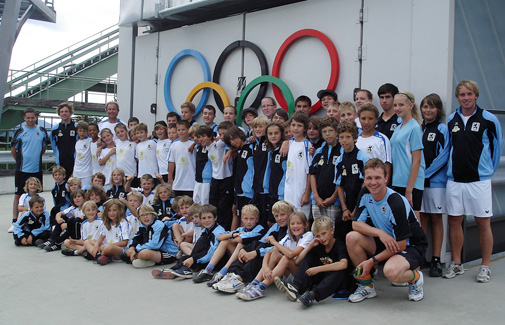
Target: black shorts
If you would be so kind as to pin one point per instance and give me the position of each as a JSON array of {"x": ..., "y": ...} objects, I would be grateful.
[
  {"x": 413, "y": 254},
  {"x": 417, "y": 196},
  {"x": 20, "y": 180}
]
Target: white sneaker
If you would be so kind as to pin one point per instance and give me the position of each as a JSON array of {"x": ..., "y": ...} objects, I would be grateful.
[
  {"x": 416, "y": 291},
  {"x": 232, "y": 285},
  {"x": 11, "y": 228},
  {"x": 453, "y": 270},
  {"x": 138, "y": 263},
  {"x": 484, "y": 274},
  {"x": 363, "y": 292}
]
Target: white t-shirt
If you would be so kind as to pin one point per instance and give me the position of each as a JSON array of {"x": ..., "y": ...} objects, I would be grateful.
[
  {"x": 186, "y": 226},
  {"x": 73, "y": 212},
  {"x": 82, "y": 166},
  {"x": 197, "y": 232},
  {"x": 216, "y": 153},
  {"x": 125, "y": 156},
  {"x": 134, "y": 225},
  {"x": 106, "y": 124},
  {"x": 146, "y": 156},
  {"x": 184, "y": 165},
  {"x": 116, "y": 233},
  {"x": 297, "y": 169},
  {"x": 95, "y": 166},
  {"x": 304, "y": 241},
  {"x": 375, "y": 146},
  {"x": 162, "y": 148},
  {"x": 91, "y": 230},
  {"x": 24, "y": 200},
  {"x": 146, "y": 199},
  {"x": 109, "y": 166}
]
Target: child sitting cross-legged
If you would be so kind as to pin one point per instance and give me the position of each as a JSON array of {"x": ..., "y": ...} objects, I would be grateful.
[
  {"x": 32, "y": 228},
  {"x": 90, "y": 229},
  {"x": 322, "y": 267}
]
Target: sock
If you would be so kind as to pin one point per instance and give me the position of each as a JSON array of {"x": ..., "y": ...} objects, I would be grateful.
[
  {"x": 223, "y": 271},
  {"x": 209, "y": 268},
  {"x": 366, "y": 280},
  {"x": 255, "y": 282},
  {"x": 76, "y": 253},
  {"x": 416, "y": 276},
  {"x": 262, "y": 286},
  {"x": 435, "y": 259}
]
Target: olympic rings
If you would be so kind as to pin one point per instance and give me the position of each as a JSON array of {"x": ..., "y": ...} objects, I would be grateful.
[
  {"x": 212, "y": 85},
  {"x": 222, "y": 58},
  {"x": 170, "y": 70},
  {"x": 332, "y": 84},
  {"x": 264, "y": 79}
]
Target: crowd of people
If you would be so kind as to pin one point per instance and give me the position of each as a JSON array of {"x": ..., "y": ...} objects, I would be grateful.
[{"x": 313, "y": 205}]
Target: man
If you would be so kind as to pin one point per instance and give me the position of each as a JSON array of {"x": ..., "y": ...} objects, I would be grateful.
[
  {"x": 388, "y": 120},
  {"x": 476, "y": 147},
  {"x": 268, "y": 107},
  {"x": 112, "y": 110},
  {"x": 303, "y": 104},
  {"x": 385, "y": 229},
  {"x": 63, "y": 138},
  {"x": 327, "y": 96},
  {"x": 208, "y": 115},
  {"x": 27, "y": 147}
]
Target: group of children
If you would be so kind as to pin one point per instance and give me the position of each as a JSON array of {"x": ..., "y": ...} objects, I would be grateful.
[{"x": 234, "y": 205}]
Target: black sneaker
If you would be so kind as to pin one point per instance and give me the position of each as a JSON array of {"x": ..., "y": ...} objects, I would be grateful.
[
  {"x": 39, "y": 242},
  {"x": 44, "y": 244},
  {"x": 202, "y": 276},
  {"x": 289, "y": 290},
  {"x": 183, "y": 272},
  {"x": 68, "y": 252},
  {"x": 307, "y": 299},
  {"x": 87, "y": 256},
  {"x": 435, "y": 270},
  {"x": 52, "y": 247},
  {"x": 123, "y": 257}
]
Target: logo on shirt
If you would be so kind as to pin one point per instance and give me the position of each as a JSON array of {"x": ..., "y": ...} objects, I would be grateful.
[
  {"x": 31, "y": 222},
  {"x": 335, "y": 160},
  {"x": 475, "y": 126},
  {"x": 149, "y": 146},
  {"x": 183, "y": 162},
  {"x": 244, "y": 154},
  {"x": 72, "y": 133},
  {"x": 263, "y": 146},
  {"x": 393, "y": 127},
  {"x": 321, "y": 162},
  {"x": 300, "y": 155},
  {"x": 277, "y": 158},
  {"x": 384, "y": 210},
  {"x": 455, "y": 128},
  {"x": 355, "y": 169},
  {"x": 369, "y": 149},
  {"x": 344, "y": 171},
  {"x": 38, "y": 133},
  {"x": 431, "y": 136}
]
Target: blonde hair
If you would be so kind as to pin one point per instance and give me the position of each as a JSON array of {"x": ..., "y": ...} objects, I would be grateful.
[
  {"x": 33, "y": 179},
  {"x": 346, "y": 106},
  {"x": 59, "y": 169},
  {"x": 146, "y": 209},
  {"x": 192, "y": 129},
  {"x": 260, "y": 121},
  {"x": 185, "y": 200},
  {"x": 320, "y": 224},
  {"x": 120, "y": 171},
  {"x": 157, "y": 190},
  {"x": 411, "y": 100},
  {"x": 73, "y": 180},
  {"x": 194, "y": 210},
  {"x": 282, "y": 206},
  {"x": 249, "y": 208},
  {"x": 89, "y": 205},
  {"x": 469, "y": 84},
  {"x": 135, "y": 194}
]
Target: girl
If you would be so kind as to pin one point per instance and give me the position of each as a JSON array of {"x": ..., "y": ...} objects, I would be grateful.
[
  {"x": 280, "y": 116},
  {"x": 406, "y": 152},
  {"x": 117, "y": 189},
  {"x": 107, "y": 156},
  {"x": 32, "y": 188},
  {"x": 97, "y": 195},
  {"x": 90, "y": 229},
  {"x": 162, "y": 202},
  {"x": 436, "y": 154},
  {"x": 276, "y": 167},
  {"x": 230, "y": 115},
  {"x": 281, "y": 260},
  {"x": 114, "y": 234},
  {"x": 125, "y": 151}
]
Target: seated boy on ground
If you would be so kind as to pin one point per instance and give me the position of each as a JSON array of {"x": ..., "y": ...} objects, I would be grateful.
[{"x": 32, "y": 228}]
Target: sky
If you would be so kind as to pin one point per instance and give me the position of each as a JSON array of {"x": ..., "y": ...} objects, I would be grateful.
[{"x": 75, "y": 20}]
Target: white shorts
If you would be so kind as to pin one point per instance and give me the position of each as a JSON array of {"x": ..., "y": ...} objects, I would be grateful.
[
  {"x": 85, "y": 181},
  {"x": 201, "y": 193},
  {"x": 433, "y": 200},
  {"x": 473, "y": 199}
]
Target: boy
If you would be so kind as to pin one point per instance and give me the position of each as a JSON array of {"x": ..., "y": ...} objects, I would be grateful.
[
  {"x": 348, "y": 176},
  {"x": 371, "y": 141},
  {"x": 260, "y": 159},
  {"x": 388, "y": 120},
  {"x": 145, "y": 152},
  {"x": 32, "y": 228},
  {"x": 205, "y": 246},
  {"x": 132, "y": 203},
  {"x": 172, "y": 132},
  {"x": 203, "y": 169},
  {"x": 173, "y": 118},
  {"x": 208, "y": 115},
  {"x": 93, "y": 134},
  {"x": 182, "y": 228},
  {"x": 163, "y": 145},
  {"x": 61, "y": 198},
  {"x": 250, "y": 256},
  {"x": 181, "y": 162},
  {"x": 303, "y": 104},
  {"x": 82, "y": 167},
  {"x": 327, "y": 96},
  {"x": 232, "y": 242},
  {"x": 313, "y": 133},
  {"x": 362, "y": 96},
  {"x": 322, "y": 173},
  {"x": 248, "y": 116},
  {"x": 188, "y": 112},
  {"x": 132, "y": 122},
  {"x": 347, "y": 112},
  {"x": 322, "y": 270},
  {"x": 297, "y": 186},
  {"x": 332, "y": 111},
  {"x": 146, "y": 188},
  {"x": 125, "y": 151}
]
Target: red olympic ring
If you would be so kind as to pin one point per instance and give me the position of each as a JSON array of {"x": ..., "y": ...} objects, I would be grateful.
[{"x": 335, "y": 66}]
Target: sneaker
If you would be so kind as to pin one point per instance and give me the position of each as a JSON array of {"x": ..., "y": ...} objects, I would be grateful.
[
  {"x": 202, "y": 276},
  {"x": 225, "y": 279},
  {"x": 287, "y": 289},
  {"x": 52, "y": 247},
  {"x": 39, "y": 242},
  {"x": 306, "y": 300},
  {"x": 435, "y": 270},
  {"x": 253, "y": 293},
  {"x": 139, "y": 263},
  {"x": 44, "y": 244},
  {"x": 231, "y": 285},
  {"x": 103, "y": 260},
  {"x": 215, "y": 279},
  {"x": 87, "y": 256},
  {"x": 484, "y": 274},
  {"x": 163, "y": 274},
  {"x": 416, "y": 292},
  {"x": 68, "y": 252},
  {"x": 11, "y": 229},
  {"x": 166, "y": 258},
  {"x": 363, "y": 292},
  {"x": 453, "y": 270},
  {"x": 243, "y": 292},
  {"x": 183, "y": 272}
]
